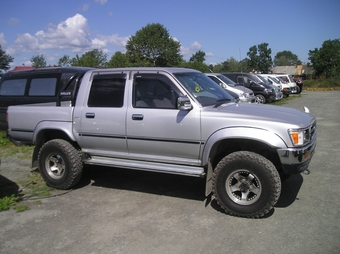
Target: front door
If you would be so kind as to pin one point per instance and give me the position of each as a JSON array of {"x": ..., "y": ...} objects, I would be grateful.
[{"x": 156, "y": 129}]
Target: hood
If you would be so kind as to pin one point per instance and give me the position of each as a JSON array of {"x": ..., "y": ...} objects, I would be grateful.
[{"x": 257, "y": 114}]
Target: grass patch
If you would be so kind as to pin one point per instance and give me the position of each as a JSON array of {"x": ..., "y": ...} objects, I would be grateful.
[
  {"x": 35, "y": 186},
  {"x": 32, "y": 186},
  {"x": 329, "y": 84},
  {"x": 8, "y": 149},
  {"x": 285, "y": 100},
  {"x": 7, "y": 202}
]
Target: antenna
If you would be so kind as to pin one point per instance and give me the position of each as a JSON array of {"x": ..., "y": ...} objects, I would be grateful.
[{"x": 240, "y": 58}]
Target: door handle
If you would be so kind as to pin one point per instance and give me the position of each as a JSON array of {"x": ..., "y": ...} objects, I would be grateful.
[
  {"x": 137, "y": 117},
  {"x": 89, "y": 115}
]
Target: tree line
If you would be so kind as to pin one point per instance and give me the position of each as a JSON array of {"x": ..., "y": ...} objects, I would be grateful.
[{"x": 153, "y": 46}]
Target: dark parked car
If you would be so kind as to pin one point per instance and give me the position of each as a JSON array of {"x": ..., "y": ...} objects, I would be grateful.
[{"x": 263, "y": 93}]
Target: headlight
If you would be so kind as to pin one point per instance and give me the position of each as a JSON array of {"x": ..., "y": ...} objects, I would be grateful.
[
  {"x": 297, "y": 137},
  {"x": 302, "y": 136}
]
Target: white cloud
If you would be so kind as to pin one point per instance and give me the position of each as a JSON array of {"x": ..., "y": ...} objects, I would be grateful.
[
  {"x": 100, "y": 1},
  {"x": 85, "y": 7},
  {"x": 192, "y": 49},
  {"x": 13, "y": 21},
  {"x": 3, "y": 42},
  {"x": 73, "y": 35}
]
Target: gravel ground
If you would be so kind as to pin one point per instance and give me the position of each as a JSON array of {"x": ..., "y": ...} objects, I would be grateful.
[{"x": 125, "y": 211}]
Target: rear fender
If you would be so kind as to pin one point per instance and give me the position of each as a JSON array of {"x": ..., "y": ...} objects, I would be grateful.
[{"x": 42, "y": 127}]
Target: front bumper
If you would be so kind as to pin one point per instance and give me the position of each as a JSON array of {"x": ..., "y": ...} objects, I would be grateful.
[
  {"x": 296, "y": 160},
  {"x": 294, "y": 89},
  {"x": 250, "y": 99}
]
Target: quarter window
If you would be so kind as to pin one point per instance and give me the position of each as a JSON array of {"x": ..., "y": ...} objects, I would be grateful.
[
  {"x": 13, "y": 87},
  {"x": 42, "y": 87}
]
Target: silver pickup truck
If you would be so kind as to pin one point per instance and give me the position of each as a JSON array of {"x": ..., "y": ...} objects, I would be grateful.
[{"x": 168, "y": 120}]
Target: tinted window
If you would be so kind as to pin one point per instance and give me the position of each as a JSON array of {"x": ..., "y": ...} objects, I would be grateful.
[
  {"x": 154, "y": 91},
  {"x": 107, "y": 91},
  {"x": 42, "y": 87},
  {"x": 14, "y": 87}
]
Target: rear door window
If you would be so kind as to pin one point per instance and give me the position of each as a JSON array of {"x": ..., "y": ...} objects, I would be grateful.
[{"x": 107, "y": 90}]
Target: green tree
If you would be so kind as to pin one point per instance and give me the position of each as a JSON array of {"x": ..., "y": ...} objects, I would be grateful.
[
  {"x": 230, "y": 65},
  {"x": 199, "y": 57},
  {"x": 5, "y": 60},
  {"x": 202, "y": 67},
  {"x": 286, "y": 58},
  {"x": 38, "y": 61},
  {"x": 64, "y": 61},
  {"x": 118, "y": 60},
  {"x": 326, "y": 60},
  {"x": 260, "y": 58},
  {"x": 153, "y": 46},
  {"x": 94, "y": 58}
]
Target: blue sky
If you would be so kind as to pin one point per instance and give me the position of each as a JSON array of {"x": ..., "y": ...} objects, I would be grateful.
[{"x": 221, "y": 28}]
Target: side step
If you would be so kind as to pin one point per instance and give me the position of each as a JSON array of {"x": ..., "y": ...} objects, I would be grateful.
[{"x": 146, "y": 166}]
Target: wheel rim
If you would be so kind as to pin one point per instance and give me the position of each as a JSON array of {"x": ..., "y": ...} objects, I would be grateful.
[
  {"x": 243, "y": 187},
  {"x": 55, "y": 166},
  {"x": 259, "y": 99}
]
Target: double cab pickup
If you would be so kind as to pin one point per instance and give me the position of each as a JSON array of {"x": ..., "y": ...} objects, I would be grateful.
[{"x": 167, "y": 120}]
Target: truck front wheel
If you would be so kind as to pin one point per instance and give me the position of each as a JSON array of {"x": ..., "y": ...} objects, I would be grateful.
[
  {"x": 60, "y": 164},
  {"x": 246, "y": 184}
]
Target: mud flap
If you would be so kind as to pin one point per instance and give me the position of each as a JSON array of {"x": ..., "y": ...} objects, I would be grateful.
[{"x": 208, "y": 180}]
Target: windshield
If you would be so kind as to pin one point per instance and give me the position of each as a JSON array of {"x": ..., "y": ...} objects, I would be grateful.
[
  {"x": 206, "y": 91},
  {"x": 263, "y": 79},
  {"x": 227, "y": 80},
  {"x": 275, "y": 80}
]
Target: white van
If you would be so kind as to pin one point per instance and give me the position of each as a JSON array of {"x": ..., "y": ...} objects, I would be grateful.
[
  {"x": 288, "y": 79},
  {"x": 285, "y": 88}
]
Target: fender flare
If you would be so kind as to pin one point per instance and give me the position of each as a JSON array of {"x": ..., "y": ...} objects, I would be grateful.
[
  {"x": 246, "y": 133},
  {"x": 65, "y": 127}
]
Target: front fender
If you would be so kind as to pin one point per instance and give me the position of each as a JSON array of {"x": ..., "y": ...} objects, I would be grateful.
[{"x": 244, "y": 133}]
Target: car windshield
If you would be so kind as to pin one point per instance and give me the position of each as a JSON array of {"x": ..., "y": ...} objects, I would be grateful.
[
  {"x": 206, "y": 91},
  {"x": 263, "y": 79},
  {"x": 256, "y": 78},
  {"x": 275, "y": 80},
  {"x": 227, "y": 80}
]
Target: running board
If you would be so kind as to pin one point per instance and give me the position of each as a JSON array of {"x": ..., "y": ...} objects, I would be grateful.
[{"x": 146, "y": 166}]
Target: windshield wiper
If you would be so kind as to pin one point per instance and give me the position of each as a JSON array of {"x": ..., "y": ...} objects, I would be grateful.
[{"x": 220, "y": 102}]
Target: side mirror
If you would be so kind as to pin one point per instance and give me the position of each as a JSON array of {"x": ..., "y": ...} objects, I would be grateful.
[{"x": 183, "y": 103}]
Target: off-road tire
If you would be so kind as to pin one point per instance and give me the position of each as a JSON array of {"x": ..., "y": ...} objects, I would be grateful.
[
  {"x": 60, "y": 164},
  {"x": 246, "y": 184}
]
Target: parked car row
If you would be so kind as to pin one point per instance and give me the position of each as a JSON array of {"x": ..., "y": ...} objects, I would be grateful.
[{"x": 261, "y": 88}]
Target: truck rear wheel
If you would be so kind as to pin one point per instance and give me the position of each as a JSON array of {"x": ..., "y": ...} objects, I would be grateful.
[
  {"x": 60, "y": 164},
  {"x": 246, "y": 184}
]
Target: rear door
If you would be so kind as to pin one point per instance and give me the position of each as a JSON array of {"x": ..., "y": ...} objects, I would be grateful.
[{"x": 101, "y": 126}]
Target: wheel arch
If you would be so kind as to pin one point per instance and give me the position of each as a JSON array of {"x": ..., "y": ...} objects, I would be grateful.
[
  {"x": 44, "y": 133},
  {"x": 226, "y": 141}
]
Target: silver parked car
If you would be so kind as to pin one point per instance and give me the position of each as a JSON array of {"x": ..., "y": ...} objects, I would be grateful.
[{"x": 245, "y": 94}]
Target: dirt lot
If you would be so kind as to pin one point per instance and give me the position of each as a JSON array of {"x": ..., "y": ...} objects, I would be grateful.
[{"x": 123, "y": 211}]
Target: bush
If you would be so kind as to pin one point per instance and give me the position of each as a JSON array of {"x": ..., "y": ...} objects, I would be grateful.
[{"x": 322, "y": 84}]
